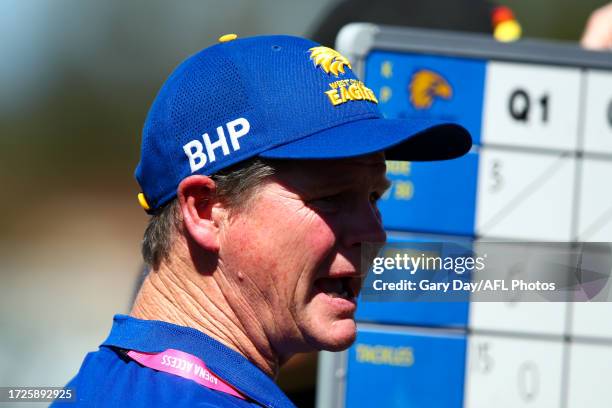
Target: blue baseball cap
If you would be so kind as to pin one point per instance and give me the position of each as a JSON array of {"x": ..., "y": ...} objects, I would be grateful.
[{"x": 276, "y": 97}]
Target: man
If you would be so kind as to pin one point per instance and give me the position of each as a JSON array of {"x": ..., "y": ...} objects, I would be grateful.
[
  {"x": 598, "y": 31},
  {"x": 262, "y": 160}
]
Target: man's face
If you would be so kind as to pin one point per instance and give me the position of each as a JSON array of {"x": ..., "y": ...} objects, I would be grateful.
[{"x": 295, "y": 252}]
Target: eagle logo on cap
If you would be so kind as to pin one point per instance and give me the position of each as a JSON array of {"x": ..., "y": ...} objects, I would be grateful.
[
  {"x": 330, "y": 60},
  {"x": 425, "y": 86}
]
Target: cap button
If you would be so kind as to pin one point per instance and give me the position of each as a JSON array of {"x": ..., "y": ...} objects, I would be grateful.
[{"x": 227, "y": 38}]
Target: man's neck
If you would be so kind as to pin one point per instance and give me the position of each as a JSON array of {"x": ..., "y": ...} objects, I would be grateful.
[{"x": 189, "y": 298}]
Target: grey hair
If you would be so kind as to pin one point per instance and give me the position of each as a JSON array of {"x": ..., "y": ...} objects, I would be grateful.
[{"x": 235, "y": 187}]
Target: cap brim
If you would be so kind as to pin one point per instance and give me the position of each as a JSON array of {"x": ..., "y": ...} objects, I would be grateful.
[{"x": 401, "y": 139}]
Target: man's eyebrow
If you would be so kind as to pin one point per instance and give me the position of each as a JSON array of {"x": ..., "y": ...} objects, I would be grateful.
[{"x": 381, "y": 183}]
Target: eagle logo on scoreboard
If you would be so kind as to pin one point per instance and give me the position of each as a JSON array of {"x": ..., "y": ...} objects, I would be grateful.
[
  {"x": 426, "y": 86},
  {"x": 330, "y": 60}
]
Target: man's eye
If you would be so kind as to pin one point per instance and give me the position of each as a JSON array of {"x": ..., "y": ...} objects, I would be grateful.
[{"x": 327, "y": 203}]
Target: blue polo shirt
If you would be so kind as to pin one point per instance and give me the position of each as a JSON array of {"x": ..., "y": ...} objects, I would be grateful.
[{"x": 108, "y": 377}]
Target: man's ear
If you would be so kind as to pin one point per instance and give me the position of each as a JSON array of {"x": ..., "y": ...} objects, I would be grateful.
[{"x": 196, "y": 196}]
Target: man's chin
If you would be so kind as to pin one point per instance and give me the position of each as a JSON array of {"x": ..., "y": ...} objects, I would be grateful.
[{"x": 339, "y": 336}]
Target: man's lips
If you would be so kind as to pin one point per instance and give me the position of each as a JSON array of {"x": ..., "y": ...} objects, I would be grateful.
[{"x": 343, "y": 285}]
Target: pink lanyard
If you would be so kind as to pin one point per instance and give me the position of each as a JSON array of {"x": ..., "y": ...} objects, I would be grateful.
[{"x": 184, "y": 365}]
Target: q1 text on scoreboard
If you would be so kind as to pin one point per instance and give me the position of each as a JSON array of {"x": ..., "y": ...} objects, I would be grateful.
[{"x": 540, "y": 171}]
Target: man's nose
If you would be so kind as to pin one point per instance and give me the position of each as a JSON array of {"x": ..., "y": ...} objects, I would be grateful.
[{"x": 364, "y": 225}]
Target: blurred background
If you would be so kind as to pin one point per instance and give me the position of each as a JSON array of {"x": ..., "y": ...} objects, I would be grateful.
[{"x": 76, "y": 81}]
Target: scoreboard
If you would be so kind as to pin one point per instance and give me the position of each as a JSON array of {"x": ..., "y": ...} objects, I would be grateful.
[{"x": 540, "y": 114}]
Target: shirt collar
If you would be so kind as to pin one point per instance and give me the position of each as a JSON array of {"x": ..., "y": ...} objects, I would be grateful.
[{"x": 152, "y": 336}]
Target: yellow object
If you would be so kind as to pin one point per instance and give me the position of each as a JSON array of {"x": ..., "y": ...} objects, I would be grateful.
[
  {"x": 346, "y": 90},
  {"x": 386, "y": 69},
  {"x": 143, "y": 201},
  {"x": 404, "y": 190},
  {"x": 426, "y": 86},
  {"x": 507, "y": 31},
  {"x": 227, "y": 38},
  {"x": 385, "y": 355},
  {"x": 330, "y": 60},
  {"x": 385, "y": 93},
  {"x": 398, "y": 167}
]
